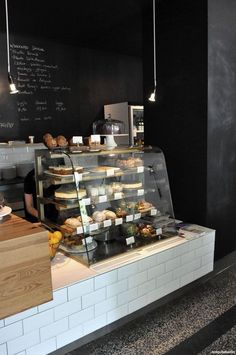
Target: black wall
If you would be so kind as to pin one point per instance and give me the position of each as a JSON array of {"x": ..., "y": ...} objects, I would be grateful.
[
  {"x": 221, "y": 188},
  {"x": 177, "y": 121},
  {"x": 93, "y": 76}
]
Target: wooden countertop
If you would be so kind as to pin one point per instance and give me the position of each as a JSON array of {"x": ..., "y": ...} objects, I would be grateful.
[{"x": 12, "y": 227}]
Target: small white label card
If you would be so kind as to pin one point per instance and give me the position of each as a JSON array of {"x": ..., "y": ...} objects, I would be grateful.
[
  {"x": 107, "y": 223},
  {"x": 77, "y": 139},
  {"x": 102, "y": 198},
  {"x": 88, "y": 240},
  {"x": 79, "y": 230},
  {"x": 78, "y": 178},
  {"x": 140, "y": 169},
  {"x": 110, "y": 172},
  {"x": 130, "y": 240},
  {"x": 87, "y": 201},
  {"x": 118, "y": 195},
  {"x": 129, "y": 218},
  {"x": 118, "y": 221},
  {"x": 137, "y": 215},
  {"x": 95, "y": 138},
  {"x": 140, "y": 192},
  {"x": 93, "y": 227},
  {"x": 153, "y": 212},
  {"x": 158, "y": 231}
]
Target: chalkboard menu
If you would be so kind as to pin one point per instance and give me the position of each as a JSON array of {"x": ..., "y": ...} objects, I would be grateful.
[{"x": 46, "y": 77}]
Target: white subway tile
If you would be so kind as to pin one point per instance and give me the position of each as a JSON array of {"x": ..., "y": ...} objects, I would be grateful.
[
  {"x": 156, "y": 271},
  {"x": 205, "y": 249},
  {"x": 43, "y": 348},
  {"x": 3, "y": 349},
  {"x": 105, "y": 306},
  {"x": 137, "y": 279},
  {"x": 117, "y": 288},
  {"x": 170, "y": 287},
  {"x": 67, "y": 308},
  {"x": 69, "y": 336},
  {"x": 208, "y": 258},
  {"x": 59, "y": 297},
  {"x": 164, "y": 279},
  {"x": 24, "y": 342},
  {"x": 195, "y": 243},
  {"x": 37, "y": 321},
  {"x": 186, "y": 279},
  {"x": 81, "y": 317},
  {"x": 127, "y": 270},
  {"x": 22, "y": 352},
  {"x": 165, "y": 256},
  {"x": 1, "y": 323},
  {"x": 186, "y": 268},
  {"x": 181, "y": 249},
  {"x": 80, "y": 289},
  {"x": 146, "y": 287},
  {"x": 93, "y": 297},
  {"x": 188, "y": 257},
  {"x": 54, "y": 329},
  {"x": 203, "y": 271},
  {"x": 208, "y": 238},
  {"x": 147, "y": 262},
  {"x": 105, "y": 279},
  {"x": 153, "y": 296},
  {"x": 94, "y": 324},
  {"x": 117, "y": 313},
  {"x": 172, "y": 264},
  {"x": 21, "y": 315},
  {"x": 127, "y": 296},
  {"x": 10, "y": 332},
  {"x": 137, "y": 304}
]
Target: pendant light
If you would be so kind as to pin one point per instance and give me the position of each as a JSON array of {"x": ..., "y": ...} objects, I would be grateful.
[
  {"x": 12, "y": 86},
  {"x": 153, "y": 94}
]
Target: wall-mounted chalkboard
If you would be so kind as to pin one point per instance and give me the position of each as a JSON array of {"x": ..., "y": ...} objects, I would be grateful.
[{"x": 47, "y": 80}]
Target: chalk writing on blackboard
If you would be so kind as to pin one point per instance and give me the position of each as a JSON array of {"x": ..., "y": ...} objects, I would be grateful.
[{"x": 6, "y": 125}]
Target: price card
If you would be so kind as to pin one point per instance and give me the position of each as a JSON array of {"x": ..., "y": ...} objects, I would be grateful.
[
  {"x": 118, "y": 195},
  {"x": 95, "y": 138},
  {"x": 158, "y": 231},
  {"x": 153, "y": 212},
  {"x": 88, "y": 240},
  {"x": 78, "y": 178},
  {"x": 118, "y": 221},
  {"x": 93, "y": 227},
  {"x": 140, "y": 192},
  {"x": 130, "y": 240},
  {"x": 107, "y": 223},
  {"x": 102, "y": 198},
  {"x": 129, "y": 218},
  {"x": 140, "y": 169},
  {"x": 137, "y": 215},
  {"x": 79, "y": 230},
  {"x": 77, "y": 139},
  {"x": 87, "y": 201},
  {"x": 110, "y": 172}
]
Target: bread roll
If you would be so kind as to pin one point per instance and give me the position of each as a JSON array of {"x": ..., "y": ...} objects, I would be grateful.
[
  {"x": 72, "y": 222},
  {"x": 99, "y": 216},
  {"x": 110, "y": 214}
]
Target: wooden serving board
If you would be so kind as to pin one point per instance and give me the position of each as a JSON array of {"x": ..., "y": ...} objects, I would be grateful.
[{"x": 25, "y": 269}]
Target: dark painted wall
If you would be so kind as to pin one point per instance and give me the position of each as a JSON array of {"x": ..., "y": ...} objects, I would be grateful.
[
  {"x": 177, "y": 121},
  {"x": 221, "y": 202}
]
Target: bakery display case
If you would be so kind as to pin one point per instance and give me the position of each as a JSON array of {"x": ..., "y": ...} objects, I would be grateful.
[{"x": 105, "y": 202}]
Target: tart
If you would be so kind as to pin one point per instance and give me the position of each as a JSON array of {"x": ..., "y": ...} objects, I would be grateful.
[
  {"x": 69, "y": 193},
  {"x": 132, "y": 185}
]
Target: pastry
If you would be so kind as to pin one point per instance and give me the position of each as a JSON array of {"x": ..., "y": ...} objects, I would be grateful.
[
  {"x": 72, "y": 222},
  {"x": 129, "y": 163},
  {"x": 109, "y": 214},
  {"x": 99, "y": 216},
  {"x": 50, "y": 143},
  {"x": 117, "y": 187},
  {"x": 85, "y": 219},
  {"x": 109, "y": 190},
  {"x": 143, "y": 205},
  {"x": 64, "y": 170},
  {"x": 63, "y": 193},
  {"x": 132, "y": 185},
  {"x": 47, "y": 136},
  {"x": 61, "y": 141}
]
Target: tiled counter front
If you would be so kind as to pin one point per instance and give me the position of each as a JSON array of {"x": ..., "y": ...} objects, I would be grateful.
[{"x": 85, "y": 306}]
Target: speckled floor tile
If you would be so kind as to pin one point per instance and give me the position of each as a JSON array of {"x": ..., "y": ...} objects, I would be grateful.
[
  {"x": 226, "y": 343},
  {"x": 167, "y": 326}
]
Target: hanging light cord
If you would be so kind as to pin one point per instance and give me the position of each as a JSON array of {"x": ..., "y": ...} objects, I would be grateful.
[
  {"x": 8, "y": 46},
  {"x": 154, "y": 44}
]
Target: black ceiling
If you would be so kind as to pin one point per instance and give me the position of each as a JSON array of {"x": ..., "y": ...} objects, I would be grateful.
[{"x": 105, "y": 24}]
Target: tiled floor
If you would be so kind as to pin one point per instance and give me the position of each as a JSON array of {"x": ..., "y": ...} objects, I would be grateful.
[{"x": 201, "y": 321}]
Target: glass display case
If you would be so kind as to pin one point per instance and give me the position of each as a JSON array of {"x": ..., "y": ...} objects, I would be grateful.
[{"x": 104, "y": 202}]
